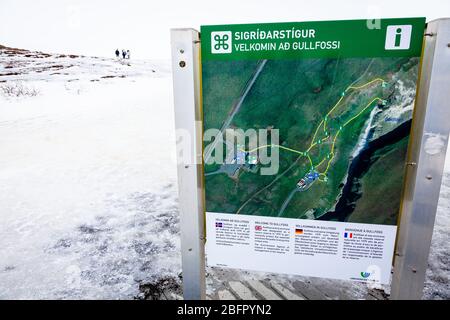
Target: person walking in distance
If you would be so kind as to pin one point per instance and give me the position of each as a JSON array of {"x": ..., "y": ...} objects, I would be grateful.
[
  {"x": 124, "y": 54},
  {"x": 128, "y": 54},
  {"x": 117, "y": 53}
]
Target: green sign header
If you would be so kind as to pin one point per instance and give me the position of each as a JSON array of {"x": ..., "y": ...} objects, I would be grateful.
[{"x": 323, "y": 39}]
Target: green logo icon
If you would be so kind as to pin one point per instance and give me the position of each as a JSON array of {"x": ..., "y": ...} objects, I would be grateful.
[{"x": 221, "y": 42}]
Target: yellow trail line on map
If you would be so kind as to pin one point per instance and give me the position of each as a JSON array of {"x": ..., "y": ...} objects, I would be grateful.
[
  {"x": 320, "y": 163},
  {"x": 339, "y": 131},
  {"x": 339, "y": 101},
  {"x": 323, "y": 122},
  {"x": 303, "y": 153}
]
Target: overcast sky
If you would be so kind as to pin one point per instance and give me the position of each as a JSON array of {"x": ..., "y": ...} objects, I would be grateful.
[{"x": 98, "y": 27}]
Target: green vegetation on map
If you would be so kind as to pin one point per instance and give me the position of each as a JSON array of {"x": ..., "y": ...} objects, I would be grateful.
[{"x": 343, "y": 133}]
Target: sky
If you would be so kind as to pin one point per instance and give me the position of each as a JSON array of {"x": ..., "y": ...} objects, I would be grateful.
[{"x": 98, "y": 27}]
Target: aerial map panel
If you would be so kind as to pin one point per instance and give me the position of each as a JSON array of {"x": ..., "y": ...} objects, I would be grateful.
[{"x": 306, "y": 133}]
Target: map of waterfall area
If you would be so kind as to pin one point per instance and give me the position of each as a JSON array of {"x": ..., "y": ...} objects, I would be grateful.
[{"x": 343, "y": 134}]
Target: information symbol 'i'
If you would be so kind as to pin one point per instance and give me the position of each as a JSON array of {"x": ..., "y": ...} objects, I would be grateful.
[{"x": 398, "y": 37}]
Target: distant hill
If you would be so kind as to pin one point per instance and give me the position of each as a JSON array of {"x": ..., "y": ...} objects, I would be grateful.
[{"x": 23, "y": 64}]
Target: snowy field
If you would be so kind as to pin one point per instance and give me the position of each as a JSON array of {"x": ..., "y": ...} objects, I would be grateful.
[{"x": 88, "y": 198}]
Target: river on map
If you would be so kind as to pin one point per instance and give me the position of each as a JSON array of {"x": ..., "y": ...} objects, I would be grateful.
[{"x": 358, "y": 167}]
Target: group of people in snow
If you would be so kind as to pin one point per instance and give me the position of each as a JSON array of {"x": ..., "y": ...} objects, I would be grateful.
[{"x": 125, "y": 54}]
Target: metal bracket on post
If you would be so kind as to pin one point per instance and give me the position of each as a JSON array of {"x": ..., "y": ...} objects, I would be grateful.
[
  {"x": 186, "y": 90},
  {"x": 427, "y": 150}
]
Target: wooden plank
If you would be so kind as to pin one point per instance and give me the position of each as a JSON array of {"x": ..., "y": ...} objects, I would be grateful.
[
  {"x": 284, "y": 292},
  {"x": 263, "y": 291},
  {"x": 225, "y": 295},
  {"x": 241, "y": 291}
]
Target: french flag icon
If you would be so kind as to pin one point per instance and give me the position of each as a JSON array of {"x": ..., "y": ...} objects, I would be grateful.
[{"x": 348, "y": 235}]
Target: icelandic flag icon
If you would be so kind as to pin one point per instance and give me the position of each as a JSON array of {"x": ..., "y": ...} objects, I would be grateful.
[{"x": 348, "y": 235}]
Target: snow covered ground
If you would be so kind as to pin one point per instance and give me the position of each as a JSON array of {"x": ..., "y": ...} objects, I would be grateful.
[
  {"x": 88, "y": 201},
  {"x": 87, "y": 182}
]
